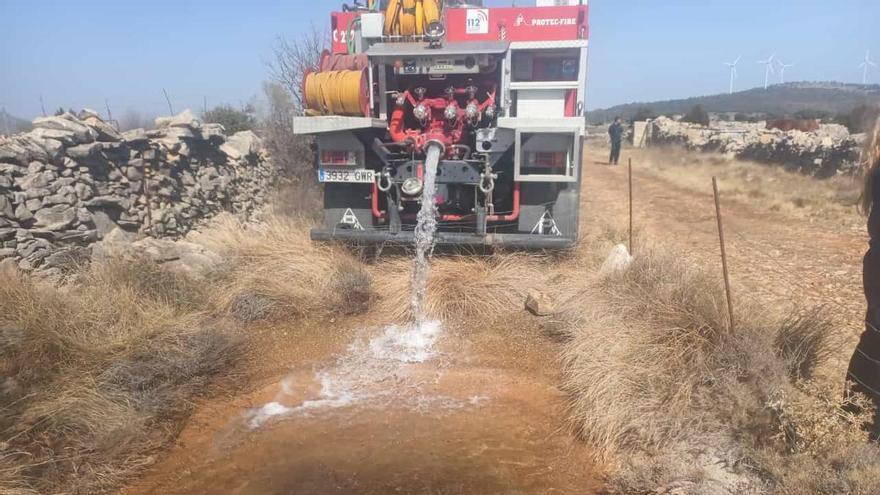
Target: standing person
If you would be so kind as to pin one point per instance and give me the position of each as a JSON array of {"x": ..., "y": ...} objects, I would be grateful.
[
  {"x": 615, "y": 131},
  {"x": 864, "y": 367}
]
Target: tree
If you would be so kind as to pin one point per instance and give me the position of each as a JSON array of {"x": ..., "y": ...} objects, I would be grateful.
[
  {"x": 860, "y": 119},
  {"x": 642, "y": 114},
  {"x": 232, "y": 119},
  {"x": 294, "y": 58},
  {"x": 697, "y": 115}
]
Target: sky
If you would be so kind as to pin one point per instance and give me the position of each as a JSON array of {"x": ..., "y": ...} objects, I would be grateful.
[{"x": 91, "y": 53}]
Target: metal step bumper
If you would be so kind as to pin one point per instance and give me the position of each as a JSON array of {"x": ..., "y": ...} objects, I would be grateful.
[{"x": 512, "y": 241}]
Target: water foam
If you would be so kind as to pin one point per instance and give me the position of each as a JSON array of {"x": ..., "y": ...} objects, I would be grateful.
[{"x": 377, "y": 367}]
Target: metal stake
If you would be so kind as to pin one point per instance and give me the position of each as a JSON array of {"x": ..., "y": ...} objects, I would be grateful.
[
  {"x": 631, "y": 252},
  {"x": 723, "y": 253}
]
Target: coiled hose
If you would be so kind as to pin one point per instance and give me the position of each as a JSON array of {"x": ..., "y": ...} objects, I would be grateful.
[
  {"x": 341, "y": 92},
  {"x": 410, "y": 17}
]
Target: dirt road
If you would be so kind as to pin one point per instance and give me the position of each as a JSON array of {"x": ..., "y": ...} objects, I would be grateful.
[
  {"x": 459, "y": 411},
  {"x": 780, "y": 261},
  {"x": 377, "y": 409}
]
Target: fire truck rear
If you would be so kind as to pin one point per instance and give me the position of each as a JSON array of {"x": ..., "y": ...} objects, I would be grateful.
[{"x": 495, "y": 95}]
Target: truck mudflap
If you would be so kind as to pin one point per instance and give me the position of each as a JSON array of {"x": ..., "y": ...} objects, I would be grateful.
[{"x": 405, "y": 238}]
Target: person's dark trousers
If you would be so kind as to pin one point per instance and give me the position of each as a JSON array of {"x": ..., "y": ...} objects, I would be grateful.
[
  {"x": 864, "y": 367},
  {"x": 615, "y": 153}
]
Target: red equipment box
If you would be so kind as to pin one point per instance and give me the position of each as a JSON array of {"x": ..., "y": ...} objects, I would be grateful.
[{"x": 564, "y": 23}]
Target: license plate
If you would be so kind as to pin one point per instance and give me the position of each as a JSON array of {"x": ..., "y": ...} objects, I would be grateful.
[{"x": 358, "y": 176}]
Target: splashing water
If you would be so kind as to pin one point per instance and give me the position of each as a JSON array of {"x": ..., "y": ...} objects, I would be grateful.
[
  {"x": 426, "y": 227},
  {"x": 377, "y": 367}
]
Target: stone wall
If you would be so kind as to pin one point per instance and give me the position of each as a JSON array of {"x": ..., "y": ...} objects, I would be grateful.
[
  {"x": 74, "y": 179},
  {"x": 829, "y": 151}
]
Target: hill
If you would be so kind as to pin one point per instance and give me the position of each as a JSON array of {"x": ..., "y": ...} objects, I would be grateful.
[
  {"x": 781, "y": 99},
  {"x": 10, "y": 124}
]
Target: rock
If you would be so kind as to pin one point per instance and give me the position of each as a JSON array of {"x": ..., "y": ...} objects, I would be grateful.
[
  {"x": 183, "y": 119},
  {"x": 69, "y": 123},
  {"x": 33, "y": 204},
  {"x": 66, "y": 138},
  {"x": 84, "y": 151},
  {"x": 241, "y": 144},
  {"x": 105, "y": 132},
  {"x": 135, "y": 136},
  {"x": 104, "y": 223},
  {"x": 22, "y": 214},
  {"x": 6, "y": 208},
  {"x": 39, "y": 180},
  {"x": 6, "y": 253},
  {"x": 213, "y": 133},
  {"x": 539, "y": 304},
  {"x": 619, "y": 260},
  {"x": 59, "y": 199},
  {"x": 104, "y": 201},
  {"x": 57, "y": 217},
  {"x": 23, "y": 149}
]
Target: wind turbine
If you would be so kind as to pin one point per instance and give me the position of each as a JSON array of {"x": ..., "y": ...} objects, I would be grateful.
[
  {"x": 867, "y": 64},
  {"x": 768, "y": 64},
  {"x": 733, "y": 73},
  {"x": 782, "y": 68}
]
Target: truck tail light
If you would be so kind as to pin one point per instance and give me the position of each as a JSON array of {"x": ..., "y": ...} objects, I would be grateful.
[
  {"x": 548, "y": 159},
  {"x": 329, "y": 157}
]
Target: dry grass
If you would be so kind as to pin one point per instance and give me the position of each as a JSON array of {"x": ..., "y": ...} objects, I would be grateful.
[
  {"x": 276, "y": 272},
  {"x": 662, "y": 386},
  {"x": 768, "y": 187},
  {"x": 96, "y": 375},
  {"x": 461, "y": 288}
]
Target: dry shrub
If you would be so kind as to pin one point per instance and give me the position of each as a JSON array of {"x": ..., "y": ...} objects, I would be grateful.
[
  {"x": 278, "y": 272},
  {"x": 661, "y": 385},
  {"x": 461, "y": 288},
  {"x": 95, "y": 376}
]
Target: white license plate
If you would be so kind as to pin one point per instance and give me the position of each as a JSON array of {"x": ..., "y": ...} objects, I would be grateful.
[{"x": 358, "y": 176}]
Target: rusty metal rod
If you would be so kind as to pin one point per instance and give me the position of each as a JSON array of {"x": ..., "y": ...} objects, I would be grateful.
[
  {"x": 723, "y": 254},
  {"x": 631, "y": 248}
]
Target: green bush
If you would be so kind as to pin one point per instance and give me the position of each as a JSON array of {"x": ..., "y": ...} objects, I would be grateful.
[{"x": 233, "y": 120}]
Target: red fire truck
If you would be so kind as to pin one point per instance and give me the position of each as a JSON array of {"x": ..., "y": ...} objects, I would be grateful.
[{"x": 499, "y": 92}]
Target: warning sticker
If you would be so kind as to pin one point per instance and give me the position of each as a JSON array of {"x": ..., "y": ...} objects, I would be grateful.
[
  {"x": 546, "y": 226},
  {"x": 350, "y": 219}
]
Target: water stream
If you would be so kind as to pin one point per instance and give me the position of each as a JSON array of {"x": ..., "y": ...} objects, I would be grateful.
[
  {"x": 377, "y": 367},
  {"x": 426, "y": 227}
]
